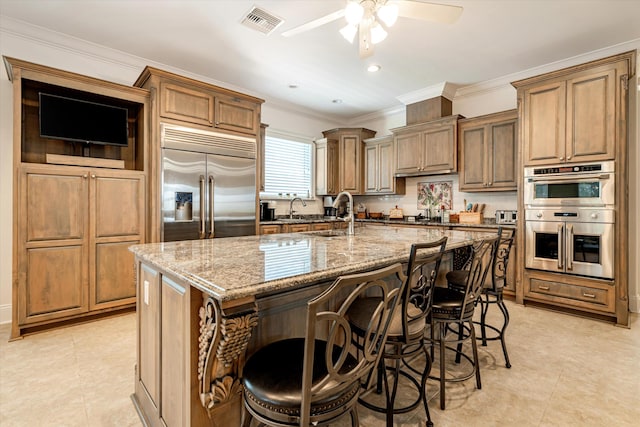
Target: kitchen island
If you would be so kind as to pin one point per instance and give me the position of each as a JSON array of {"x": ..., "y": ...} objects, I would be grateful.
[{"x": 204, "y": 305}]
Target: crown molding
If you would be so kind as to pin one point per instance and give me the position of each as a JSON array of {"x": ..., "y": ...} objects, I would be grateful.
[
  {"x": 500, "y": 82},
  {"x": 446, "y": 89}
]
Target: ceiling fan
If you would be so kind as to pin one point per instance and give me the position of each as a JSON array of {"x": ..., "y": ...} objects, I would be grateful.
[{"x": 369, "y": 18}]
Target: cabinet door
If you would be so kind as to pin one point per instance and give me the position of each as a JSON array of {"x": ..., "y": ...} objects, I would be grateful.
[
  {"x": 591, "y": 117},
  {"x": 440, "y": 149},
  {"x": 351, "y": 153},
  {"x": 544, "y": 124},
  {"x": 327, "y": 174},
  {"x": 408, "y": 152},
  {"x": 371, "y": 169},
  {"x": 236, "y": 114},
  {"x": 149, "y": 334},
  {"x": 174, "y": 343},
  {"x": 386, "y": 178},
  {"x": 186, "y": 104},
  {"x": 270, "y": 229},
  {"x": 473, "y": 150},
  {"x": 117, "y": 222},
  {"x": 502, "y": 156},
  {"x": 52, "y": 244}
]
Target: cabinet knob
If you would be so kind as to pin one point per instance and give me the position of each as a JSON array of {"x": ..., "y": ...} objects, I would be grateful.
[
  {"x": 561, "y": 157},
  {"x": 568, "y": 157},
  {"x": 490, "y": 184},
  {"x": 84, "y": 176},
  {"x": 93, "y": 176}
]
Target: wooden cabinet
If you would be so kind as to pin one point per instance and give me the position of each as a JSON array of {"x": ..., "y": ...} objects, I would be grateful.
[
  {"x": 270, "y": 229},
  {"x": 488, "y": 152},
  {"x": 205, "y": 105},
  {"x": 76, "y": 207},
  {"x": 379, "y": 167},
  {"x": 427, "y": 148},
  {"x": 296, "y": 228},
  {"x": 76, "y": 225},
  {"x": 572, "y": 117},
  {"x": 327, "y": 172},
  {"x": 350, "y": 157}
]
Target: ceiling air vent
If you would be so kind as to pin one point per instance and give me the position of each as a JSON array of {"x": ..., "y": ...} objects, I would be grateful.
[{"x": 261, "y": 20}]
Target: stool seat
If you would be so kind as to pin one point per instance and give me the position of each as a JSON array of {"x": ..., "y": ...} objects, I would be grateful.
[{"x": 273, "y": 377}]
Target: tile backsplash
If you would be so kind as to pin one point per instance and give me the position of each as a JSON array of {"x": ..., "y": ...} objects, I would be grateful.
[{"x": 497, "y": 200}]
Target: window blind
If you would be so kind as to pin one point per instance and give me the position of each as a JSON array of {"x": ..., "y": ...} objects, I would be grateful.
[{"x": 287, "y": 168}]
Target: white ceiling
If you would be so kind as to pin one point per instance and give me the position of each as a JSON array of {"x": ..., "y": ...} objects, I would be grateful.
[{"x": 492, "y": 38}]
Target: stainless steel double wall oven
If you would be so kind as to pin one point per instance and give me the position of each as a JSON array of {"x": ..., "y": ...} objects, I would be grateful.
[{"x": 570, "y": 218}]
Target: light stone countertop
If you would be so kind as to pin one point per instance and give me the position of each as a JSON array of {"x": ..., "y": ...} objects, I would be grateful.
[{"x": 236, "y": 267}]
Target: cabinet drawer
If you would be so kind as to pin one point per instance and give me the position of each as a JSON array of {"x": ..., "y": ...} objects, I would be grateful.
[
  {"x": 322, "y": 226},
  {"x": 572, "y": 294},
  {"x": 269, "y": 229},
  {"x": 297, "y": 228}
]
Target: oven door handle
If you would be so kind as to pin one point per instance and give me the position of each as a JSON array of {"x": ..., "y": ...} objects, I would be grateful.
[
  {"x": 551, "y": 180},
  {"x": 569, "y": 254},
  {"x": 561, "y": 251}
]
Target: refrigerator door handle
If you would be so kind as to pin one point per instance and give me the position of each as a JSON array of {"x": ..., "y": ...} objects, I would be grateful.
[
  {"x": 202, "y": 211},
  {"x": 212, "y": 229}
]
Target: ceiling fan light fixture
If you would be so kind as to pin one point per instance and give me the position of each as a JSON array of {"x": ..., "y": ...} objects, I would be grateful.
[
  {"x": 353, "y": 12},
  {"x": 377, "y": 33},
  {"x": 349, "y": 32},
  {"x": 388, "y": 14}
]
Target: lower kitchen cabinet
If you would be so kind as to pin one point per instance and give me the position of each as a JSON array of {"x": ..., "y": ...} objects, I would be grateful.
[
  {"x": 74, "y": 227},
  {"x": 271, "y": 229}
]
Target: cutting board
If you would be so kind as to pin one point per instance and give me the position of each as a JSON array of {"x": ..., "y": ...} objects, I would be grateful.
[{"x": 396, "y": 213}]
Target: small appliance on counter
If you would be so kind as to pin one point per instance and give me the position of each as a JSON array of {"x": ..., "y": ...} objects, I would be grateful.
[
  {"x": 329, "y": 211},
  {"x": 506, "y": 217},
  {"x": 267, "y": 211}
]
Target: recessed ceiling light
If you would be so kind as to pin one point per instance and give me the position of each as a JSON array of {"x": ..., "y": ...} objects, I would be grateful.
[
  {"x": 337, "y": 101},
  {"x": 293, "y": 85},
  {"x": 373, "y": 68}
]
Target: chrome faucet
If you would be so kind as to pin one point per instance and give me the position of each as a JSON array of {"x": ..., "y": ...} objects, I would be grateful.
[
  {"x": 291, "y": 211},
  {"x": 349, "y": 217}
]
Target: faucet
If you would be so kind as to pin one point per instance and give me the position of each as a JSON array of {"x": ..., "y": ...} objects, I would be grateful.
[
  {"x": 349, "y": 217},
  {"x": 291, "y": 211}
]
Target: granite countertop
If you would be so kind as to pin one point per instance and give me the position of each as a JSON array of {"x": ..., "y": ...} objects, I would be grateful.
[
  {"x": 488, "y": 223},
  {"x": 236, "y": 267}
]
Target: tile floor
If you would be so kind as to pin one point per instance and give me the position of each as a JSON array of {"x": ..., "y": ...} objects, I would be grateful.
[{"x": 567, "y": 371}]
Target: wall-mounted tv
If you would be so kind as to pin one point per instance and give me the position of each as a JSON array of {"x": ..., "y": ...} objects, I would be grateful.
[{"x": 82, "y": 121}]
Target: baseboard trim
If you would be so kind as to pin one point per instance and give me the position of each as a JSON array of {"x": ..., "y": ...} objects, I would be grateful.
[{"x": 5, "y": 313}]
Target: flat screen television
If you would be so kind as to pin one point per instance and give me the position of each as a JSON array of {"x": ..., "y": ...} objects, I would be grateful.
[{"x": 82, "y": 121}]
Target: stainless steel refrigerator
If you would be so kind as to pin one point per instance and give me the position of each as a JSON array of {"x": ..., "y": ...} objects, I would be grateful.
[{"x": 208, "y": 184}]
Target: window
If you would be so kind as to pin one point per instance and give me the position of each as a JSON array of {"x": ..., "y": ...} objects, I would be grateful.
[{"x": 288, "y": 167}]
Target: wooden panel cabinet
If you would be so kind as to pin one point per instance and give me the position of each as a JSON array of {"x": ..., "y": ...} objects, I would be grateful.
[
  {"x": 270, "y": 229},
  {"x": 197, "y": 103},
  {"x": 379, "y": 167},
  {"x": 488, "y": 152},
  {"x": 571, "y": 118},
  {"x": 350, "y": 157},
  {"x": 427, "y": 148},
  {"x": 72, "y": 243},
  {"x": 327, "y": 173}
]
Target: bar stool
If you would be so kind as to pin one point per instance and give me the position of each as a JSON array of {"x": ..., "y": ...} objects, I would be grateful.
[
  {"x": 406, "y": 336},
  {"x": 315, "y": 379},
  {"x": 454, "y": 308},
  {"x": 492, "y": 291}
]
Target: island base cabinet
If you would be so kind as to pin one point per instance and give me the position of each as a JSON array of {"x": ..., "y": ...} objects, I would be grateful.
[{"x": 167, "y": 387}]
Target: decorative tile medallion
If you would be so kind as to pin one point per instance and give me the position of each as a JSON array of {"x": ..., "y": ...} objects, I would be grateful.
[{"x": 433, "y": 195}]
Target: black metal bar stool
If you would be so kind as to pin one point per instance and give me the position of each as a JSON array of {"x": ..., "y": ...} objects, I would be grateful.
[
  {"x": 406, "y": 337},
  {"x": 492, "y": 291},
  {"x": 316, "y": 379},
  {"x": 452, "y": 308}
]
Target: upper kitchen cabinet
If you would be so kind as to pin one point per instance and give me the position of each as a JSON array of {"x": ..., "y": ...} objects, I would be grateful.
[
  {"x": 350, "y": 157},
  {"x": 427, "y": 148},
  {"x": 575, "y": 114},
  {"x": 327, "y": 168},
  {"x": 488, "y": 152},
  {"x": 184, "y": 100},
  {"x": 379, "y": 167}
]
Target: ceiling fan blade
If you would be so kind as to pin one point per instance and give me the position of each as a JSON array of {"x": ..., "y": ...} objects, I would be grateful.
[
  {"x": 428, "y": 11},
  {"x": 314, "y": 24}
]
